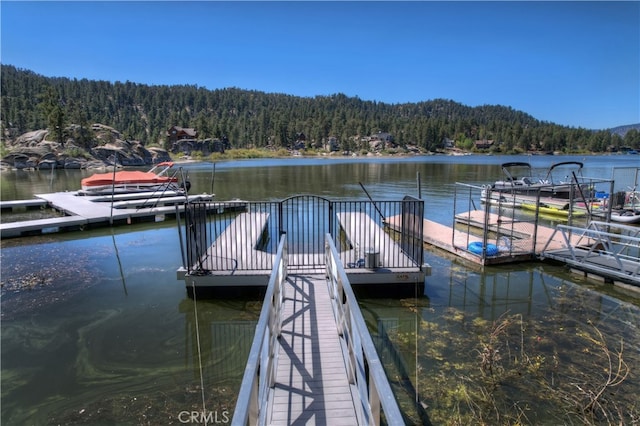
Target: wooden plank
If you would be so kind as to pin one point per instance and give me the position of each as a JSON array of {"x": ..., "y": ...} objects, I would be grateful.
[
  {"x": 455, "y": 241},
  {"x": 311, "y": 378}
]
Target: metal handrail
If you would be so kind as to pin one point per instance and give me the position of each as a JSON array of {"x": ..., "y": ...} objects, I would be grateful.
[
  {"x": 359, "y": 351},
  {"x": 502, "y": 231},
  {"x": 259, "y": 374},
  {"x": 600, "y": 242}
]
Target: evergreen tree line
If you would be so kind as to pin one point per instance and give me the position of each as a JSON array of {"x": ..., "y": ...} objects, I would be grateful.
[{"x": 256, "y": 119}]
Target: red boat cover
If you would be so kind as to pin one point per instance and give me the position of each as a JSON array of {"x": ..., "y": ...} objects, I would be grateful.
[{"x": 125, "y": 177}]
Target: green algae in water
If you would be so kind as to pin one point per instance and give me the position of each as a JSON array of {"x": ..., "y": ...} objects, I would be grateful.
[
  {"x": 575, "y": 362},
  {"x": 114, "y": 348}
]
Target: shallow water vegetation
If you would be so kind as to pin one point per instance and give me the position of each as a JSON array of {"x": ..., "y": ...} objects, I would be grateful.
[
  {"x": 594, "y": 395},
  {"x": 166, "y": 408},
  {"x": 515, "y": 371},
  {"x": 27, "y": 285}
]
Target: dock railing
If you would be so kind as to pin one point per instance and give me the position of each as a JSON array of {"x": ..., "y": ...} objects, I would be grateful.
[
  {"x": 610, "y": 249},
  {"x": 492, "y": 217},
  {"x": 247, "y": 234},
  {"x": 259, "y": 374},
  {"x": 364, "y": 368}
]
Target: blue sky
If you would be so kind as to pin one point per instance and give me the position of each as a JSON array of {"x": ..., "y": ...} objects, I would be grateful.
[{"x": 571, "y": 63}]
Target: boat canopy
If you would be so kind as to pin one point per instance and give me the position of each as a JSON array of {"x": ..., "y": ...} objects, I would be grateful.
[
  {"x": 126, "y": 177},
  {"x": 507, "y": 166},
  {"x": 577, "y": 164},
  {"x": 130, "y": 177}
]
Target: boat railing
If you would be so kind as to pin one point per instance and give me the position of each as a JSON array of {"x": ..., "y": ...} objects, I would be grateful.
[
  {"x": 259, "y": 374},
  {"x": 364, "y": 367}
]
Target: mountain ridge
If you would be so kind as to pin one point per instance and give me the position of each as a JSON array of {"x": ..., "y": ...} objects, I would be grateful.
[{"x": 250, "y": 118}]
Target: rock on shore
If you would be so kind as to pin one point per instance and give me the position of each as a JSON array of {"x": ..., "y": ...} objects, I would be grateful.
[{"x": 32, "y": 150}]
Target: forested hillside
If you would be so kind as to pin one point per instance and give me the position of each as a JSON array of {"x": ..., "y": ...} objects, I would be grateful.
[{"x": 256, "y": 119}]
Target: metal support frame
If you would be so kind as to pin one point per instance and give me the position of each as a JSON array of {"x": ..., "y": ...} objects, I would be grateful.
[{"x": 608, "y": 249}]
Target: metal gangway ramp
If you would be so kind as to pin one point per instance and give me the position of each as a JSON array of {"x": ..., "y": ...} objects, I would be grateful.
[
  {"x": 312, "y": 360},
  {"x": 606, "y": 249}
]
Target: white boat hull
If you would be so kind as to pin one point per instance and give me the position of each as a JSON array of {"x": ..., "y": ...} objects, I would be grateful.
[{"x": 626, "y": 216}]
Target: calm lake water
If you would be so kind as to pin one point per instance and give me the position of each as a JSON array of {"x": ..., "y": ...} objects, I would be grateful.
[{"x": 96, "y": 329}]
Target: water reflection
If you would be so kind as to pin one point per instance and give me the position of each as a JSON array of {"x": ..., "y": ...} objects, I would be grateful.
[
  {"x": 215, "y": 343},
  {"x": 97, "y": 330}
]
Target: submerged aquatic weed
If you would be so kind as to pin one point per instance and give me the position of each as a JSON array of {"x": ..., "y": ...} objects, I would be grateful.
[{"x": 517, "y": 371}]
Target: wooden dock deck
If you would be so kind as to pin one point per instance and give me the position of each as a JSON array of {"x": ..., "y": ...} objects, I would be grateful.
[
  {"x": 456, "y": 241},
  {"x": 522, "y": 231},
  {"x": 363, "y": 233},
  {"x": 311, "y": 379}
]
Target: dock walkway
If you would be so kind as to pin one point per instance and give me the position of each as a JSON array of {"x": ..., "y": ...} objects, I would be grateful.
[
  {"x": 311, "y": 385},
  {"x": 312, "y": 360},
  {"x": 606, "y": 250},
  {"x": 82, "y": 211}
]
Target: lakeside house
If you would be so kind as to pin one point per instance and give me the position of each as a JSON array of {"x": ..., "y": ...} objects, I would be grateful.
[
  {"x": 176, "y": 133},
  {"x": 484, "y": 144},
  {"x": 332, "y": 144}
]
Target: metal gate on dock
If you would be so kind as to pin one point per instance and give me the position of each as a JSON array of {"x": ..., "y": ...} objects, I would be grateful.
[{"x": 252, "y": 231}]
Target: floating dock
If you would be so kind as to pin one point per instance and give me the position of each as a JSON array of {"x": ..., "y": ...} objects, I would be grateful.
[
  {"x": 236, "y": 259},
  {"x": 81, "y": 212},
  {"x": 606, "y": 251},
  {"x": 516, "y": 241},
  {"x": 236, "y": 252}
]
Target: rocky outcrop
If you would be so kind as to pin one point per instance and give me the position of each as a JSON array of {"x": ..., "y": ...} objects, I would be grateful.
[
  {"x": 32, "y": 151},
  {"x": 31, "y": 138}
]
